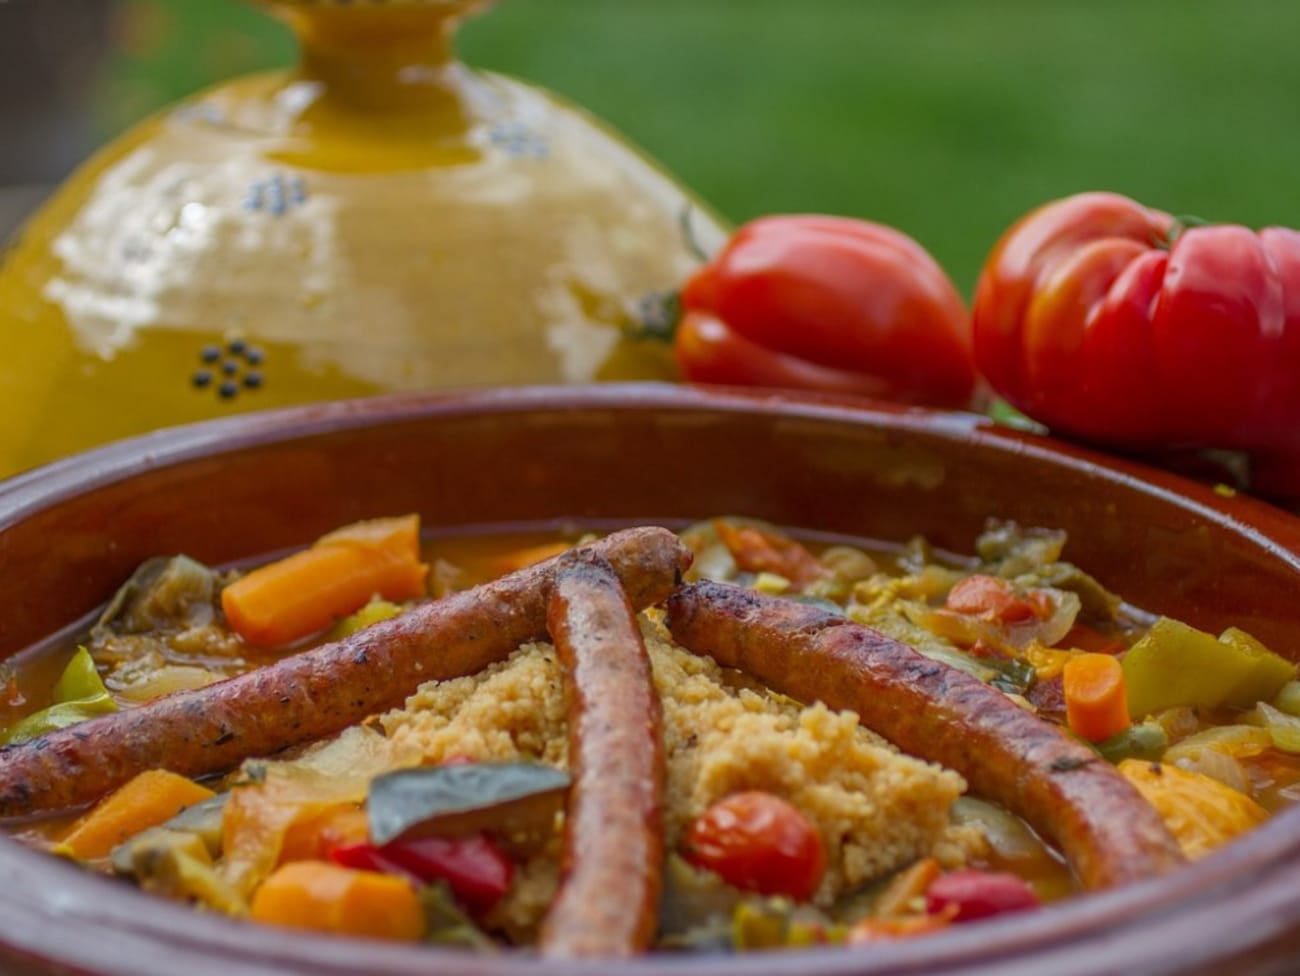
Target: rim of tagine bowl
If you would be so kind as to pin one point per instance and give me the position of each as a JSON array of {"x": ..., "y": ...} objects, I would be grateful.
[{"x": 621, "y": 454}]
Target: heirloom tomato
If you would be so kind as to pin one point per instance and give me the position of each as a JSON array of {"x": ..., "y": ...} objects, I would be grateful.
[
  {"x": 1119, "y": 324},
  {"x": 831, "y": 304}
]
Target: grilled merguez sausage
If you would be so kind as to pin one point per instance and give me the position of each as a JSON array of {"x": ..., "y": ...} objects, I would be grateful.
[
  {"x": 1107, "y": 832},
  {"x": 318, "y": 692},
  {"x": 613, "y": 842}
]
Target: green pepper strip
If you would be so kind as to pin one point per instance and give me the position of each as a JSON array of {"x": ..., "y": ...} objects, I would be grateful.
[
  {"x": 79, "y": 694},
  {"x": 1175, "y": 665}
]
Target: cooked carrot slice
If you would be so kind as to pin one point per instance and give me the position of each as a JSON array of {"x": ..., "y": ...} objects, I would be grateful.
[
  {"x": 315, "y": 837},
  {"x": 328, "y": 898},
  {"x": 906, "y": 888},
  {"x": 872, "y": 930},
  {"x": 758, "y": 551},
  {"x": 1096, "y": 705},
  {"x": 148, "y": 800},
  {"x": 527, "y": 556},
  {"x": 302, "y": 594}
]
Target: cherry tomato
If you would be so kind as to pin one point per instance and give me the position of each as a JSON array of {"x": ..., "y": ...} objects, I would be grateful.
[
  {"x": 965, "y": 896},
  {"x": 1115, "y": 323},
  {"x": 829, "y": 304},
  {"x": 758, "y": 842},
  {"x": 993, "y": 598}
]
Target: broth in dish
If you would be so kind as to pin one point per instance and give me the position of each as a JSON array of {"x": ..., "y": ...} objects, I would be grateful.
[{"x": 728, "y": 738}]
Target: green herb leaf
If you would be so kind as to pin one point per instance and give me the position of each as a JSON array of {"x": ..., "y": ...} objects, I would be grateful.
[{"x": 465, "y": 799}]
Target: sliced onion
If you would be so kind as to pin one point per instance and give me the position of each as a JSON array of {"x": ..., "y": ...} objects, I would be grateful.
[
  {"x": 1006, "y": 833},
  {"x": 1052, "y": 630},
  {"x": 962, "y": 629},
  {"x": 1236, "y": 741},
  {"x": 1217, "y": 765},
  {"x": 713, "y": 562},
  {"x": 165, "y": 680},
  {"x": 1179, "y": 722},
  {"x": 1215, "y": 753},
  {"x": 1283, "y": 729},
  {"x": 965, "y": 629},
  {"x": 848, "y": 563}
]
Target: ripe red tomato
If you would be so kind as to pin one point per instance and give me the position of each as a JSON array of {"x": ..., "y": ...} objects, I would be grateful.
[
  {"x": 965, "y": 896},
  {"x": 758, "y": 842},
  {"x": 830, "y": 304},
  {"x": 1113, "y": 322},
  {"x": 993, "y": 597}
]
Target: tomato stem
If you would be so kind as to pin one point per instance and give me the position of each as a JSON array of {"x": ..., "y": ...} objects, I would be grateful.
[
  {"x": 1181, "y": 224},
  {"x": 656, "y": 316},
  {"x": 1004, "y": 414},
  {"x": 688, "y": 233},
  {"x": 657, "y": 313}
]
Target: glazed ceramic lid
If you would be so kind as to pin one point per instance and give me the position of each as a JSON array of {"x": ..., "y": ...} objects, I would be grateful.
[{"x": 378, "y": 219}]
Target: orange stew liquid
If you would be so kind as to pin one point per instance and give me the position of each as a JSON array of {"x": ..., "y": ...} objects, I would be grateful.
[{"x": 980, "y": 609}]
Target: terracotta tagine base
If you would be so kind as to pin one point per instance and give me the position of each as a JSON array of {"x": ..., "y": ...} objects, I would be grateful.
[{"x": 231, "y": 489}]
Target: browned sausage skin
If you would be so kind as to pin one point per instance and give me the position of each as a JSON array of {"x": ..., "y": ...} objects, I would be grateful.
[
  {"x": 319, "y": 692},
  {"x": 1106, "y": 831},
  {"x": 613, "y": 844}
]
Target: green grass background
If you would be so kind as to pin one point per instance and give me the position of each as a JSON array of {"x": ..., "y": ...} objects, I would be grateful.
[{"x": 946, "y": 118}]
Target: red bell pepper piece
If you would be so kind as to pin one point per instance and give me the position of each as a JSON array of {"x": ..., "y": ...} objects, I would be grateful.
[
  {"x": 368, "y": 857},
  {"x": 475, "y": 869}
]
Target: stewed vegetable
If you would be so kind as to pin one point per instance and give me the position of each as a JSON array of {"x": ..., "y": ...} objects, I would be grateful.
[{"x": 783, "y": 821}]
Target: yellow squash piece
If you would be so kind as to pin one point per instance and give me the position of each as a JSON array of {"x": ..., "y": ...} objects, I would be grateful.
[{"x": 1200, "y": 812}]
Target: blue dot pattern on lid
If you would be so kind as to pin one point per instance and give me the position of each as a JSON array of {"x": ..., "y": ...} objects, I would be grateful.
[
  {"x": 240, "y": 369},
  {"x": 276, "y": 195}
]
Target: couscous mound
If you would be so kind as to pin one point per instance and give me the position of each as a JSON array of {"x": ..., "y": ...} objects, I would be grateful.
[{"x": 876, "y": 809}]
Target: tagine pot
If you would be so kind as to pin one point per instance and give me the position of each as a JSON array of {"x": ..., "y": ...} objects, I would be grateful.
[{"x": 379, "y": 218}]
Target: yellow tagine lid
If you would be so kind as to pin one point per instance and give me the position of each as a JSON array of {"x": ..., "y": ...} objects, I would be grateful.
[{"x": 380, "y": 218}]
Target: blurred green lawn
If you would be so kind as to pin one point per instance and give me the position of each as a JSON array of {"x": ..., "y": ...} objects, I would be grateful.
[{"x": 946, "y": 118}]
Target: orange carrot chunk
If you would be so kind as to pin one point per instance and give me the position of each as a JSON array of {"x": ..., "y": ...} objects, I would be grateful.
[
  {"x": 527, "y": 556},
  {"x": 1096, "y": 705},
  {"x": 316, "y": 837},
  {"x": 150, "y": 799},
  {"x": 328, "y": 898},
  {"x": 302, "y": 594},
  {"x": 757, "y": 551}
]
